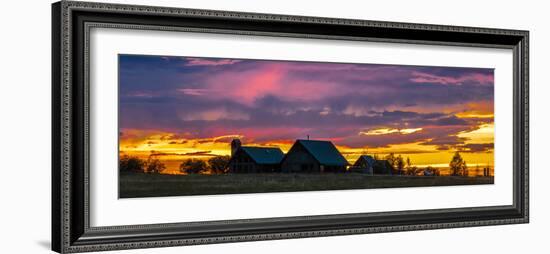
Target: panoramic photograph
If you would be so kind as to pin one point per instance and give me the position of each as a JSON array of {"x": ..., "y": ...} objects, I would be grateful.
[{"x": 193, "y": 125}]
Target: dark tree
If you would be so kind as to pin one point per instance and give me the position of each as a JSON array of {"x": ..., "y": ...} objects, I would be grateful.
[
  {"x": 400, "y": 164},
  {"x": 396, "y": 162},
  {"x": 154, "y": 166},
  {"x": 458, "y": 166},
  {"x": 219, "y": 164},
  {"x": 193, "y": 166},
  {"x": 391, "y": 159},
  {"x": 410, "y": 169},
  {"x": 131, "y": 164}
]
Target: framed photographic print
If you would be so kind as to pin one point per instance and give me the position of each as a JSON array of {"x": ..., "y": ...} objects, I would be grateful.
[{"x": 181, "y": 126}]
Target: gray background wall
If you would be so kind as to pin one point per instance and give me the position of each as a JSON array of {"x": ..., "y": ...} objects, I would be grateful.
[{"x": 25, "y": 126}]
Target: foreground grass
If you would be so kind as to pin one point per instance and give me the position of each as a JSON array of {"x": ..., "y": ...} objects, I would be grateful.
[{"x": 150, "y": 185}]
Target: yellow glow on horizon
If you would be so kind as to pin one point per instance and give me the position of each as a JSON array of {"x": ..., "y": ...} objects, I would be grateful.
[
  {"x": 172, "y": 149},
  {"x": 474, "y": 114},
  {"x": 485, "y": 134}
]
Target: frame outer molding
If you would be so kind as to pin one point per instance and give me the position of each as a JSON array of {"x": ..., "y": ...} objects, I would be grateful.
[{"x": 63, "y": 231}]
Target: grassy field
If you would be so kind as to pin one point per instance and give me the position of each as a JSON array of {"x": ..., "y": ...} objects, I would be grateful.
[{"x": 151, "y": 185}]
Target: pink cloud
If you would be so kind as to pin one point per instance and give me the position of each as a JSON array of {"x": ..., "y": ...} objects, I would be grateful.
[
  {"x": 420, "y": 77},
  {"x": 194, "y": 91},
  {"x": 209, "y": 62},
  {"x": 269, "y": 79}
]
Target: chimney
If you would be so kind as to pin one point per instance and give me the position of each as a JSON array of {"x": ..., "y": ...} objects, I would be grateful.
[{"x": 235, "y": 145}]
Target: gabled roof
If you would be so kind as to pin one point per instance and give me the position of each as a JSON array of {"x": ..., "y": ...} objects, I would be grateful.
[
  {"x": 369, "y": 159},
  {"x": 264, "y": 155},
  {"x": 324, "y": 152}
]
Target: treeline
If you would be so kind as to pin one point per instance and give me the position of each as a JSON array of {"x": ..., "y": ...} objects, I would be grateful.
[
  {"x": 400, "y": 166},
  {"x": 220, "y": 165},
  {"x": 135, "y": 164},
  {"x": 214, "y": 165}
]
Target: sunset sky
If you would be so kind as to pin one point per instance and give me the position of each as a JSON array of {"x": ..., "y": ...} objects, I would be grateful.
[{"x": 180, "y": 107}]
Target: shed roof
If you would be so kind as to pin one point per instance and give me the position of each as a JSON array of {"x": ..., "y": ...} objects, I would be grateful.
[
  {"x": 324, "y": 152},
  {"x": 264, "y": 155},
  {"x": 369, "y": 159}
]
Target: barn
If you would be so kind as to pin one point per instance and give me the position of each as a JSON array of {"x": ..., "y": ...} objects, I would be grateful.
[
  {"x": 249, "y": 159},
  {"x": 364, "y": 164},
  {"x": 313, "y": 156},
  {"x": 369, "y": 165}
]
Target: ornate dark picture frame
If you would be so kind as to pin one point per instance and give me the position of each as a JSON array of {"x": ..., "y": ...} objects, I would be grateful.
[{"x": 71, "y": 230}]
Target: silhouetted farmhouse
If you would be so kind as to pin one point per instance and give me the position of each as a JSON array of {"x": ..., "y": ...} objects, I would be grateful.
[
  {"x": 307, "y": 156},
  {"x": 364, "y": 164},
  {"x": 248, "y": 159},
  {"x": 368, "y": 165}
]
